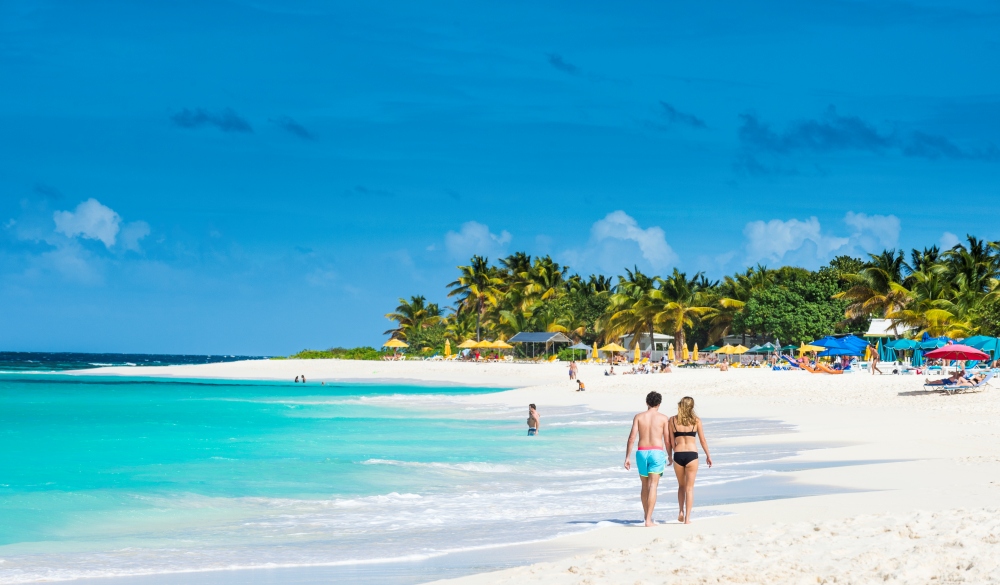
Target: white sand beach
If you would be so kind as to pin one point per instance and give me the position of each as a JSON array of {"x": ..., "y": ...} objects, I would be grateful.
[{"x": 924, "y": 511}]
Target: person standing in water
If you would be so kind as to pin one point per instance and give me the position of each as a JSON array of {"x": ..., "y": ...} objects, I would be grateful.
[
  {"x": 650, "y": 428},
  {"x": 534, "y": 420},
  {"x": 682, "y": 431}
]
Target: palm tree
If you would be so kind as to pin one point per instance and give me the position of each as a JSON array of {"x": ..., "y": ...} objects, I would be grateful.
[
  {"x": 412, "y": 316},
  {"x": 476, "y": 287},
  {"x": 872, "y": 291},
  {"x": 683, "y": 302},
  {"x": 632, "y": 311}
]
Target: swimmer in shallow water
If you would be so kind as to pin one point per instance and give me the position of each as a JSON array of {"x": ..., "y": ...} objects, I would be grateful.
[{"x": 534, "y": 420}]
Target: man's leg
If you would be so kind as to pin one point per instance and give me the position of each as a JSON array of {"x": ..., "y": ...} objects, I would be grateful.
[
  {"x": 644, "y": 494},
  {"x": 654, "y": 481}
]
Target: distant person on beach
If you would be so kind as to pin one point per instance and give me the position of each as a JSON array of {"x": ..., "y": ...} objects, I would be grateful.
[
  {"x": 579, "y": 386},
  {"x": 875, "y": 361},
  {"x": 651, "y": 457},
  {"x": 683, "y": 428},
  {"x": 610, "y": 372},
  {"x": 572, "y": 370},
  {"x": 303, "y": 378},
  {"x": 534, "y": 420},
  {"x": 296, "y": 379}
]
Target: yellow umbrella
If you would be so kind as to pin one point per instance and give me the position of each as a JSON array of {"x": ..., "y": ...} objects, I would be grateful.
[
  {"x": 613, "y": 347},
  {"x": 739, "y": 349},
  {"x": 636, "y": 360},
  {"x": 447, "y": 348},
  {"x": 684, "y": 352},
  {"x": 467, "y": 344},
  {"x": 501, "y": 344},
  {"x": 725, "y": 349},
  {"x": 395, "y": 343},
  {"x": 804, "y": 348},
  {"x": 484, "y": 344},
  {"x": 594, "y": 355},
  {"x": 670, "y": 352},
  {"x": 694, "y": 356}
]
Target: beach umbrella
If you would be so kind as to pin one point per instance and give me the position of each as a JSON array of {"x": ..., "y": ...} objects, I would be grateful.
[
  {"x": 501, "y": 344},
  {"x": 739, "y": 349},
  {"x": 711, "y": 349},
  {"x": 725, "y": 349},
  {"x": 467, "y": 344},
  {"x": 395, "y": 343},
  {"x": 957, "y": 351},
  {"x": 806, "y": 347},
  {"x": 613, "y": 347},
  {"x": 754, "y": 349},
  {"x": 594, "y": 355},
  {"x": 789, "y": 348},
  {"x": 635, "y": 359},
  {"x": 918, "y": 358},
  {"x": 903, "y": 344},
  {"x": 694, "y": 356},
  {"x": 484, "y": 344},
  {"x": 447, "y": 348},
  {"x": 670, "y": 352},
  {"x": 579, "y": 346},
  {"x": 684, "y": 352}
]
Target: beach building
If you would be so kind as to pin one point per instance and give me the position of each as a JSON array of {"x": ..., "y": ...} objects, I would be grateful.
[
  {"x": 660, "y": 345},
  {"x": 885, "y": 328}
]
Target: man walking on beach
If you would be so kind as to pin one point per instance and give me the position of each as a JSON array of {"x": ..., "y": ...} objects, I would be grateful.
[{"x": 651, "y": 456}]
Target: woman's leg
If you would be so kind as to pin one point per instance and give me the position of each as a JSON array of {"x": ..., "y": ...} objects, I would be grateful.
[
  {"x": 689, "y": 474},
  {"x": 681, "y": 490}
]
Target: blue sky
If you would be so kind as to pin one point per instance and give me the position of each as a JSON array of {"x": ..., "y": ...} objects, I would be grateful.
[{"x": 264, "y": 176}]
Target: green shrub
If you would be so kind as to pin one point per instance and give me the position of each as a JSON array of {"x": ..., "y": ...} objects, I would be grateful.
[{"x": 340, "y": 353}]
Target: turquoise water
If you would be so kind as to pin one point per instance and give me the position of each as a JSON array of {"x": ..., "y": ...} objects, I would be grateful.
[{"x": 119, "y": 476}]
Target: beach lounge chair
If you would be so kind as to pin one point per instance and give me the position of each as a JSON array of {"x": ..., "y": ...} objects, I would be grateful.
[{"x": 955, "y": 388}]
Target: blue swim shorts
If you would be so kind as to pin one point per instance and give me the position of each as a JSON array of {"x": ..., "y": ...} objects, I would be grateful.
[{"x": 650, "y": 461}]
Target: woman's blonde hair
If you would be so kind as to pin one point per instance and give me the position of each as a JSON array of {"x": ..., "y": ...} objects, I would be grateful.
[{"x": 685, "y": 412}]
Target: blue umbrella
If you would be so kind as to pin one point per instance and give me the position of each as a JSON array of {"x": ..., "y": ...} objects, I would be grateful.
[
  {"x": 918, "y": 357},
  {"x": 904, "y": 344}
]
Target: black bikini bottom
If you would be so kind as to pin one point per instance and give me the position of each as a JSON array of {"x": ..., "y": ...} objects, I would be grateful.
[{"x": 682, "y": 458}]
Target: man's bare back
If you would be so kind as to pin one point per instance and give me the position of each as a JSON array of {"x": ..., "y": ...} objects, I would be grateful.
[{"x": 651, "y": 428}]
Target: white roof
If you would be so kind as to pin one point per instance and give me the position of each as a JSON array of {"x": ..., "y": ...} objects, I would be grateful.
[
  {"x": 645, "y": 336},
  {"x": 884, "y": 328}
]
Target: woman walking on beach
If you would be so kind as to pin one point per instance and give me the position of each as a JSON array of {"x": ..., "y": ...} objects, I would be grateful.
[{"x": 681, "y": 448}]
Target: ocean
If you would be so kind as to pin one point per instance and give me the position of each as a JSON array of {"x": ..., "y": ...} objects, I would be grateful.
[
  {"x": 23, "y": 361},
  {"x": 115, "y": 476}
]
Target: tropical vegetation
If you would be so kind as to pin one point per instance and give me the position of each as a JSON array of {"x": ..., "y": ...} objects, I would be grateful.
[{"x": 954, "y": 292}]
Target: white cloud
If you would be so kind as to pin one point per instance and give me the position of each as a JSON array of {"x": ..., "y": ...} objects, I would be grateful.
[
  {"x": 90, "y": 220},
  {"x": 949, "y": 241},
  {"x": 475, "y": 238},
  {"x": 131, "y": 233},
  {"x": 652, "y": 241},
  {"x": 96, "y": 221},
  {"x": 873, "y": 232},
  {"x": 805, "y": 243}
]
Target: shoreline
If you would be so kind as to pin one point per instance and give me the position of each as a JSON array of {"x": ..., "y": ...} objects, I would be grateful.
[{"x": 882, "y": 419}]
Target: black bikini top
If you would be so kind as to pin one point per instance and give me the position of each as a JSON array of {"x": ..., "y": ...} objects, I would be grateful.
[{"x": 692, "y": 433}]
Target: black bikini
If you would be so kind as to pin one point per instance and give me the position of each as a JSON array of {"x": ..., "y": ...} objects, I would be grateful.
[{"x": 682, "y": 458}]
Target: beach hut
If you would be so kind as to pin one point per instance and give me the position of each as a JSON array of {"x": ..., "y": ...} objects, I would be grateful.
[{"x": 547, "y": 339}]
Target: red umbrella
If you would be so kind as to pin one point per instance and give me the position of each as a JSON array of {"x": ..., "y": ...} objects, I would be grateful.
[{"x": 956, "y": 351}]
